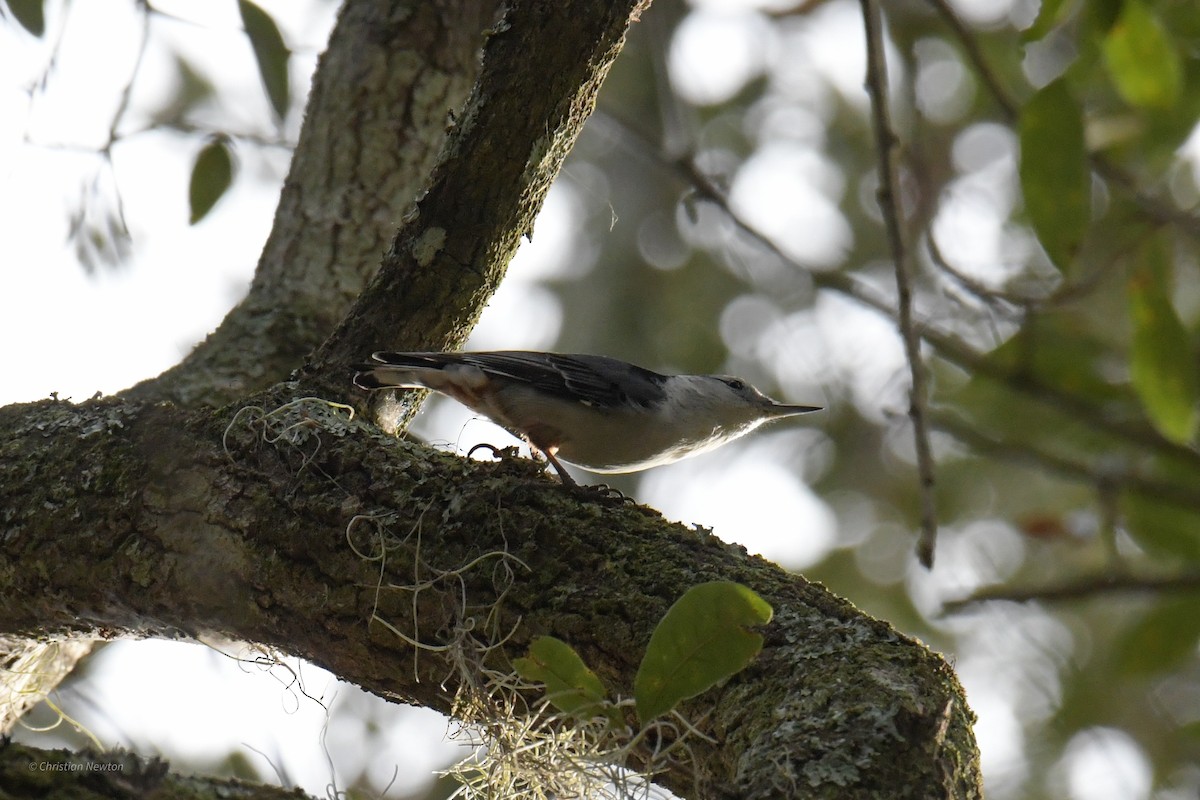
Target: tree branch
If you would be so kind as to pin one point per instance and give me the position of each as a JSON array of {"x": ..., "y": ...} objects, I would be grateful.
[
  {"x": 890, "y": 206},
  {"x": 287, "y": 524}
]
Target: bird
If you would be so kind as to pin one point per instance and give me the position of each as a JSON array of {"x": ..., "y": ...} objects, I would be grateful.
[{"x": 599, "y": 413}]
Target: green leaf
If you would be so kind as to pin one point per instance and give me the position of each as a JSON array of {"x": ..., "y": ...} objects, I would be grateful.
[
  {"x": 570, "y": 686},
  {"x": 30, "y": 14},
  {"x": 1163, "y": 529},
  {"x": 270, "y": 52},
  {"x": 1162, "y": 362},
  {"x": 211, "y": 176},
  {"x": 1161, "y": 640},
  {"x": 1142, "y": 60},
  {"x": 1054, "y": 171},
  {"x": 702, "y": 639}
]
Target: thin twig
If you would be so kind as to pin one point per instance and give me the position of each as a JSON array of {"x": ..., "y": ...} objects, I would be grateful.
[
  {"x": 1106, "y": 480},
  {"x": 889, "y": 204},
  {"x": 127, "y": 91},
  {"x": 995, "y": 297},
  {"x": 975, "y": 55},
  {"x": 1161, "y": 211},
  {"x": 119, "y": 115},
  {"x": 1080, "y": 588}
]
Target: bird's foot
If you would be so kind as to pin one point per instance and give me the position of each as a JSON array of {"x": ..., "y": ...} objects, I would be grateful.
[
  {"x": 498, "y": 453},
  {"x": 602, "y": 492}
]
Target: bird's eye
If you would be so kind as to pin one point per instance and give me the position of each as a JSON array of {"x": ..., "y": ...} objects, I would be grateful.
[{"x": 735, "y": 384}]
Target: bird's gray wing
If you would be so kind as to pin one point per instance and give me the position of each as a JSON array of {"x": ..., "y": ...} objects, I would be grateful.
[{"x": 594, "y": 380}]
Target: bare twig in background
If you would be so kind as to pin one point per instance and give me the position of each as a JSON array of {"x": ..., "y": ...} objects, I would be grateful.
[
  {"x": 1001, "y": 298},
  {"x": 975, "y": 55},
  {"x": 1157, "y": 209},
  {"x": 1081, "y": 588},
  {"x": 889, "y": 204},
  {"x": 1105, "y": 480},
  {"x": 1008, "y": 299}
]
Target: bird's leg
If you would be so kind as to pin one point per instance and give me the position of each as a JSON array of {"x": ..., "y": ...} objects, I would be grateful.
[
  {"x": 548, "y": 452},
  {"x": 603, "y": 491},
  {"x": 563, "y": 475}
]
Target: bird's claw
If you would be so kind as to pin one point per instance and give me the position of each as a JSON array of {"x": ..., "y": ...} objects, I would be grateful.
[
  {"x": 605, "y": 492},
  {"x": 498, "y": 453}
]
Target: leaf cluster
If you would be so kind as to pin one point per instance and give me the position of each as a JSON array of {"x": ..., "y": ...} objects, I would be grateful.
[{"x": 704, "y": 638}]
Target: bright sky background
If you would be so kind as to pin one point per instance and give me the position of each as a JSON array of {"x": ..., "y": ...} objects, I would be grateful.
[{"x": 107, "y": 330}]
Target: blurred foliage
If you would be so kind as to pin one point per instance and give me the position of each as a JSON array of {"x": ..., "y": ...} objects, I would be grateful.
[
  {"x": 270, "y": 53},
  {"x": 30, "y": 14},
  {"x": 1050, "y": 198},
  {"x": 1170, "y": 394},
  {"x": 1054, "y": 171}
]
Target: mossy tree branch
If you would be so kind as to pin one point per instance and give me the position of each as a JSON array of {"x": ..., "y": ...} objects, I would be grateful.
[{"x": 298, "y": 529}]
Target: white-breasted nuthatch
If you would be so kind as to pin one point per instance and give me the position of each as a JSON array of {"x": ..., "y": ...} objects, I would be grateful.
[{"x": 600, "y": 413}]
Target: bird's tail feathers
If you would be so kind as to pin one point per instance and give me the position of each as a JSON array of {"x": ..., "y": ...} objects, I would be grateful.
[
  {"x": 367, "y": 376},
  {"x": 391, "y": 370}
]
